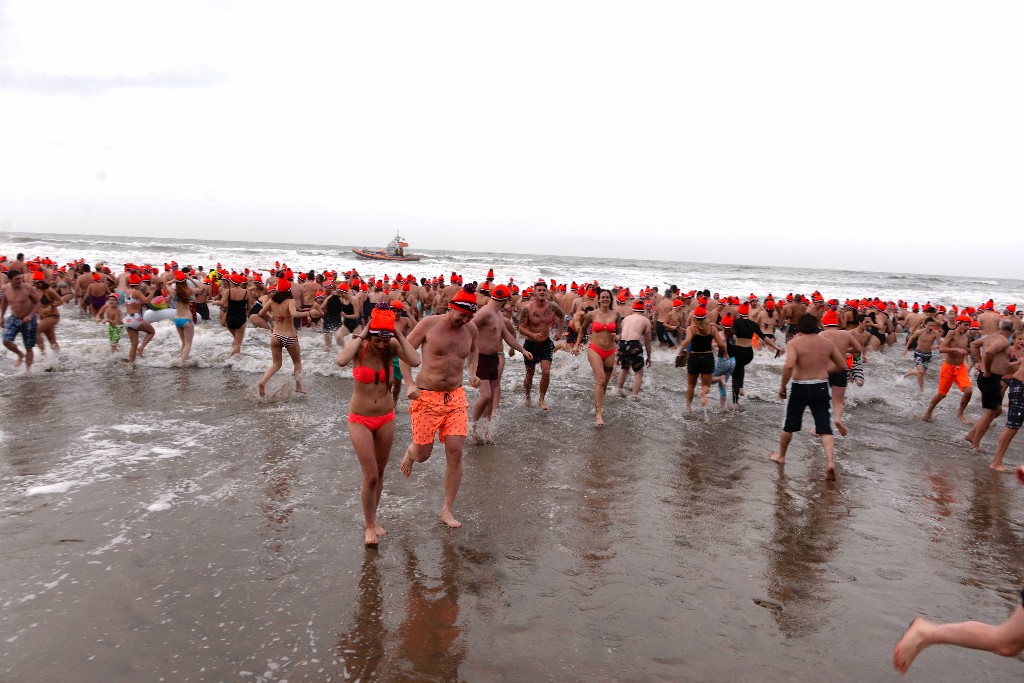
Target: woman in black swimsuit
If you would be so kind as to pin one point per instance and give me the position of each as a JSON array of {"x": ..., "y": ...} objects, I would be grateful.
[{"x": 699, "y": 336}]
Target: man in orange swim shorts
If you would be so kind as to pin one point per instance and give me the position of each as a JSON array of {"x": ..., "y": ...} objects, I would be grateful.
[
  {"x": 954, "y": 349},
  {"x": 438, "y": 401}
]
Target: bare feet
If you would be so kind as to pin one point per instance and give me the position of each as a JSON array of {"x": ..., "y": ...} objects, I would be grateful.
[
  {"x": 528, "y": 401},
  {"x": 381, "y": 531},
  {"x": 963, "y": 419},
  {"x": 927, "y": 417},
  {"x": 447, "y": 518},
  {"x": 263, "y": 389},
  {"x": 543, "y": 405},
  {"x": 843, "y": 431},
  {"x": 371, "y": 539},
  {"x": 299, "y": 389},
  {"x": 910, "y": 644},
  {"x": 406, "y": 465},
  {"x": 1000, "y": 468},
  {"x": 775, "y": 457},
  {"x": 830, "y": 474},
  {"x": 21, "y": 357},
  {"x": 599, "y": 421}
]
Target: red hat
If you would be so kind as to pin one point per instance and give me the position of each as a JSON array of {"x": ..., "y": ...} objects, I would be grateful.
[
  {"x": 382, "y": 320},
  {"x": 677, "y": 303},
  {"x": 406, "y": 287},
  {"x": 1011, "y": 308},
  {"x": 829, "y": 319},
  {"x": 283, "y": 285},
  {"x": 702, "y": 301},
  {"x": 343, "y": 286},
  {"x": 638, "y": 305},
  {"x": 743, "y": 310},
  {"x": 726, "y": 321},
  {"x": 700, "y": 312},
  {"x": 500, "y": 293},
  {"x": 464, "y": 300},
  {"x": 38, "y": 276},
  {"x": 490, "y": 273},
  {"x": 134, "y": 279},
  {"x": 178, "y": 276},
  {"x": 975, "y": 325},
  {"x": 95, "y": 276},
  {"x": 963, "y": 318},
  {"x": 769, "y": 305},
  {"x": 397, "y": 305}
]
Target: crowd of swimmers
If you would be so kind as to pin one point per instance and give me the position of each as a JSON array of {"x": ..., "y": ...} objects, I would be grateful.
[{"x": 390, "y": 327}]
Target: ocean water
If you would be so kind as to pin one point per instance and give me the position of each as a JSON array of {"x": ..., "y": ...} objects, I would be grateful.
[{"x": 166, "y": 523}]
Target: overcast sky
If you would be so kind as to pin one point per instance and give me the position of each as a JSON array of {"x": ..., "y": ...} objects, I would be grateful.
[{"x": 883, "y": 135}]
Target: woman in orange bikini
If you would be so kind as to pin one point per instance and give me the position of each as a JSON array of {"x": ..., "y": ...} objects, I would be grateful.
[
  {"x": 604, "y": 324},
  {"x": 371, "y": 417}
]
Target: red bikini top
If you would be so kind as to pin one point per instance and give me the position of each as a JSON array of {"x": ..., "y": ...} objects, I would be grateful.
[
  {"x": 368, "y": 375},
  {"x": 361, "y": 373},
  {"x": 601, "y": 327}
]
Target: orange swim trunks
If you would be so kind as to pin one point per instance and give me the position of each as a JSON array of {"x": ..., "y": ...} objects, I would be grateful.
[
  {"x": 439, "y": 412},
  {"x": 949, "y": 374}
]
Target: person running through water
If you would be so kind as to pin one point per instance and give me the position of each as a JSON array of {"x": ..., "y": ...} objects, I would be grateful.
[
  {"x": 808, "y": 359},
  {"x": 371, "y": 416},
  {"x": 492, "y": 334},
  {"x": 954, "y": 349}
]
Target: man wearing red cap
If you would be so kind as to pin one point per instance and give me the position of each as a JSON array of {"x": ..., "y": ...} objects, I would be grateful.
[
  {"x": 791, "y": 313},
  {"x": 492, "y": 331},
  {"x": 993, "y": 354},
  {"x": 808, "y": 358},
  {"x": 923, "y": 341},
  {"x": 634, "y": 339},
  {"x": 537, "y": 319},
  {"x": 23, "y": 302},
  {"x": 954, "y": 349},
  {"x": 439, "y": 404},
  {"x": 838, "y": 376}
]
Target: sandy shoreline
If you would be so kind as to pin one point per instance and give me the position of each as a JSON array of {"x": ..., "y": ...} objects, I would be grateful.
[{"x": 225, "y": 543}]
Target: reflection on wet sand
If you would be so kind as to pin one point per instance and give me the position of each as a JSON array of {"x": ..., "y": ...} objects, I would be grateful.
[
  {"x": 429, "y": 648},
  {"x": 804, "y": 541},
  {"x": 995, "y": 544},
  {"x": 362, "y": 648},
  {"x": 281, "y": 471}
]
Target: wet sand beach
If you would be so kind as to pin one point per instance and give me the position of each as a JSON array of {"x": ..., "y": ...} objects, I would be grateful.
[{"x": 163, "y": 525}]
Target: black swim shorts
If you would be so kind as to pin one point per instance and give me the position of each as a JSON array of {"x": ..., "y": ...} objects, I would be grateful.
[
  {"x": 700, "y": 364},
  {"x": 541, "y": 351},
  {"x": 487, "y": 366},
  {"x": 631, "y": 355},
  {"x": 991, "y": 391},
  {"x": 815, "y": 396}
]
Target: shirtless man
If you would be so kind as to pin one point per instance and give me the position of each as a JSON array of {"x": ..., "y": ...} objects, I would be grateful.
[
  {"x": 439, "y": 404},
  {"x": 925, "y": 338},
  {"x": 492, "y": 330},
  {"x": 808, "y": 359},
  {"x": 838, "y": 375},
  {"x": 993, "y": 353},
  {"x": 537, "y": 319},
  {"x": 954, "y": 351},
  {"x": 988, "y": 319},
  {"x": 23, "y": 302},
  {"x": 791, "y": 313},
  {"x": 1015, "y": 412},
  {"x": 634, "y": 339}
]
